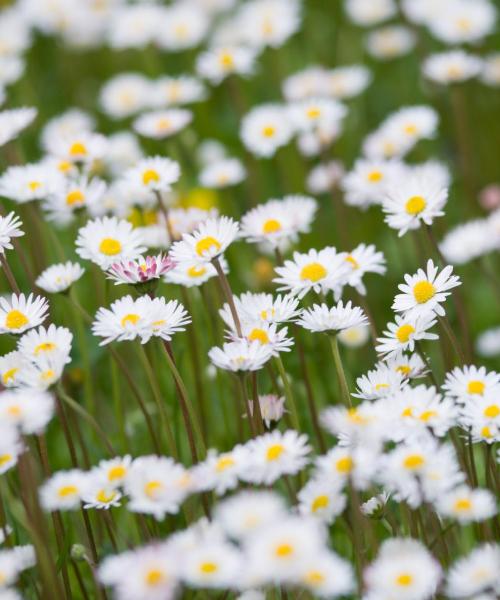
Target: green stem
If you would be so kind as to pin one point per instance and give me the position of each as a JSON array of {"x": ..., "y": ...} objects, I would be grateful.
[
  {"x": 344, "y": 388},
  {"x": 288, "y": 393}
]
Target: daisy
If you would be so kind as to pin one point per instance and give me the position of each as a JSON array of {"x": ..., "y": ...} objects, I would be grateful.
[
  {"x": 165, "y": 318},
  {"x": 274, "y": 454},
  {"x": 424, "y": 291},
  {"x": 42, "y": 342},
  {"x": 125, "y": 95},
  {"x": 78, "y": 147},
  {"x": 343, "y": 464},
  {"x": 404, "y": 568},
  {"x": 468, "y": 382},
  {"x": 264, "y": 308},
  {"x": 364, "y": 259},
  {"x": 488, "y": 342},
  {"x": 337, "y": 318},
  {"x": 411, "y": 201},
  {"x": 466, "y": 23},
  {"x": 265, "y": 129},
  {"x": 366, "y": 183},
  {"x": 142, "y": 270},
  {"x": 210, "y": 240},
  {"x": 367, "y": 13},
  {"x": 267, "y": 335},
  {"x": 347, "y": 81},
  {"x": 10, "y": 227},
  {"x": 212, "y": 564},
  {"x": 410, "y": 367},
  {"x": 20, "y": 313},
  {"x": 218, "y": 63},
  {"x": 28, "y": 410},
  {"x": 453, "y": 66},
  {"x": 319, "y": 271},
  {"x": 30, "y": 182},
  {"x": 43, "y": 371},
  {"x": 126, "y": 319},
  {"x": 307, "y": 83},
  {"x": 414, "y": 122},
  {"x": 108, "y": 240},
  {"x": 272, "y": 408},
  {"x": 153, "y": 485},
  {"x": 268, "y": 223},
  {"x": 11, "y": 366},
  {"x": 326, "y": 575},
  {"x": 321, "y": 499},
  {"x": 475, "y": 573},
  {"x": 404, "y": 332},
  {"x": 240, "y": 356},
  {"x": 467, "y": 505},
  {"x": 115, "y": 470},
  {"x": 183, "y": 26},
  {"x": 222, "y": 173},
  {"x": 482, "y": 413},
  {"x": 70, "y": 123},
  {"x": 182, "y": 89},
  {"x": 73, "y": 195},
  {"x": 63, "y": 490},
  {"x": 379, "y": 383},
  {"x": 150, "y": 572},
  {"x": 60, "y": 277},
  {"x": 314, "y": 113},
  {"x": 13, "y": 561},
  {"x": 390, "y": 42},
  {"x": 191, "y": 274},
  {"x": 13, "y": 121},
  {"x": 156, "y": 174},
  {"x": 99, "y": 493},
  {"x": 248, "y": 512},
  {"x": 268, "y": 22},
  {"x": 375, "y": 506},
  {"x": 220, "y": 472},
  {"x": 162, "y": 123},
  {"x": 10, "y": 449}
]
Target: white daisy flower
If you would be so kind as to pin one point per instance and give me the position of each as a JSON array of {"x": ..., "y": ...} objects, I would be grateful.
[
  {"x": 154, "y": 485},
  {"x": 467, "y": 241},
  {"x": 108, "y": 240},
  {"x": 326, "y": 575},
  {"x": 42, "y": 342},
  {"x": 11, "y": 447},
  {"x": 467, "y": 505},
  {"x": 266, "y": 334},
  {"x": 325, "y": 177},
  {"x": 262, "y": 307},
  {"x": 190, "y": 274},
  {"x": 268, "y": 22},
  {"x": 319, "y": 271},
  {"x": 366, "y": 183},
  {"x": 62, "y": 204},
  {"x": 364, "y": 259},
  {"x": 115, "y": 470},
  {"x": 20, "y": 313},
  {"x": 337, "y": 318},
  {"x": 467, "y": 22},
  {"x": 155, "y": 174},
  {"x": 126, "y": 319},
  {"x": 414, "y": 122},
  {"x": 11, "y": 366},
  {"x": 212, "y": 564},
  {"x": 220, "y": 471},
  {"x": 390, "y": 42},
  {"x": 468, "y": 382},
  {"x": 321, "y": 499},
  {"x": 218, "y": 63},
  {"x": 78, "y": 147},
  {"x": 312, "y": 114},
  {"x": 99, "y": 493},
  {"x": 453, "y": 66},
  {"x": 272, "y": 408},
  {"x": 404, "y": 568},
  {"x": 240, "y": 356},
  {"x": 477, "y": 572},
  {"x": 355, "y": 464},
  {"x": 28, "y": 410},
  {"x": 70, "y": 123},
  {"x": 171, "y": 91},
  {"x": 165, "y": 318},
  {"x": 424, "y": 291},
  {"x": 63, "y": 491},
  {"x": 269, "y": 223},
  {"x": 10, "y": 227},
  {"x": 367, "y": 13},
  {"x": 306, "y": 83},
  {"x": 409, "y": 366},
  {"x": 30, "y": 182},
  {"x": 265, "y": 129},
  {"x": 354, "y": 337},
  {"x": 274, "y": 454},
  {"x": 13, "y": 561},
  {"x": 347, "y": 81},
  {"x": 183, "y": 26},
  {"x": 210, "y": 240},
  {"x": 13, "y": 121},
  {"x": 379, "y": 383},
  {"x": 60, "y": 277},
  {"x": 488, "y": 342},
  {"x": 125, "y": 95},
  {"x": 482, "y": 414},
  {"x": 43, "y": 371},
  {"x": 411, "y": 201},
  {"x": 222, "y": 173},
  {"x": 404, "y": 332},
  {"x": 161, "y": 124}
]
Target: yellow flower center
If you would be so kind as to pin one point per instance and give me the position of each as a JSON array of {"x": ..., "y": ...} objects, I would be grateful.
[
  {"x": 284, "y": 550},
  {"x": 271, "y": 226},
  {"x": 463, "y": 505},
  {"x": 105, "y": 497},
  {"x": 404, "y": 580},
  {"x": 130, "y": 318},
  {"x": 10, "y": 374},
  {"x": 116, "y": 472},
  {"x": 258, "y": 335},
  {"x": 313, "y": 112},
  {"x": 34, "y": 185},
  {"x": 196, "y": 271},
  {"x": 492, "y": 411},
  {"x": 274, "y": 452},
  {"x": 427, "y": 415},
  {"x": 78, "y": 149},
  {"x": 381, "y": 386},
  {"x": 475, "y": 387},
  {"x": 226, "y": 60},
  {"x": 423, "y": 291},
  {"x": 75, "y": 197},
  {"x": 415, "y": 205},
  {"x": 320, "y": 502},
  {"x": 209, "y": 567},
  {"x": 413, "y": 461},
  {"x": 47, "y": 375},
  {"x": 486, "y": 432},
  {"x": 14, "y": 410},
  {"x": 313, "y": 272},
  {"x": 44, "y": 347},
  {"x": 152, "y": 488},
  {"x": 207, "y": 244},
  {"x": 154, "y": 577},
  {"x": 110, "y": 247},
  {"x": 344, "y": 465},
  {"x": 64, "y": 166},
  {"x": 268, "y": 131},
  {"x": 15, "y": 319},
  {"x": 224, "y": 463},
  {"x": 352, "y": 261},
  {"x": 149, "y": 176},
  {"x": 67, "y": 490},
  {"x": 314, "y": 578},
  {"x": 375, "y": 176},
  {"x": 404, "y": 332},
  {"x": 408, "y": 412},
  {"x": 410, "y": 129},
  {"x": 464, "y": 24},
  {"x": 404, "y": 369},
  {"x": 4, "y": 459}
]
